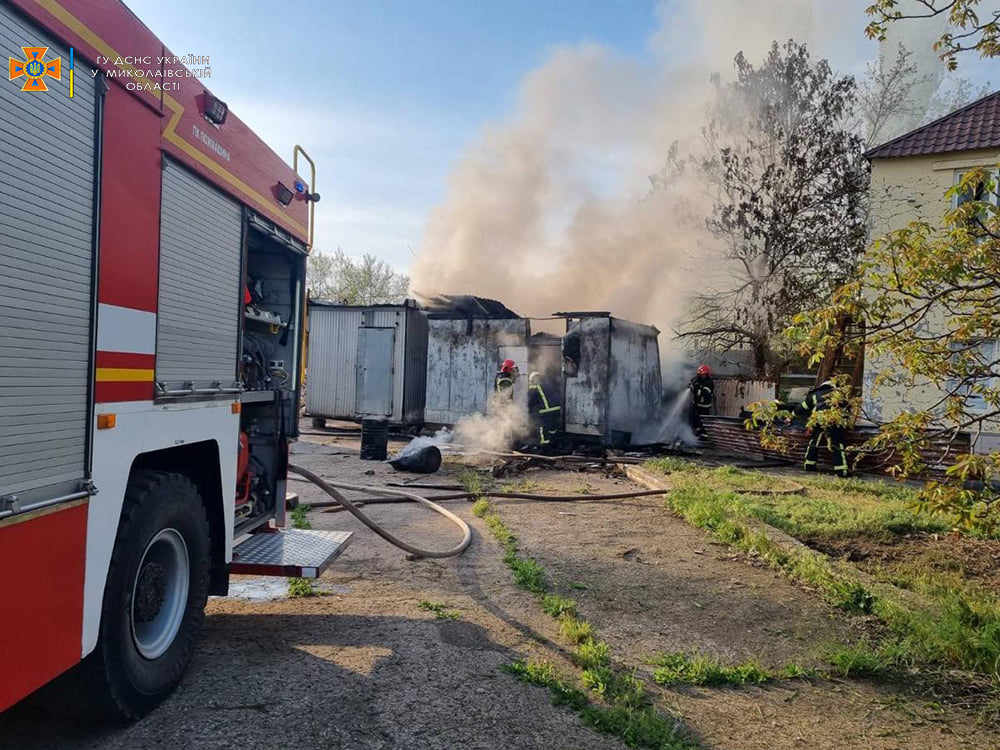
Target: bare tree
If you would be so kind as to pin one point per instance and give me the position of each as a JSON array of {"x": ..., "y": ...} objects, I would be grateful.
[
  {"x": 789, "y": 183},
  {"x": 365, "y": 281},
  {"x": 957, "y": 94},
  {"x": 967, "y": 29},
  {"x": 885, "y": 107}
]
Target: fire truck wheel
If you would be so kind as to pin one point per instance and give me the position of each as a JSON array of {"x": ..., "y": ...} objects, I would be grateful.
[{"x": 154, "y": 599}]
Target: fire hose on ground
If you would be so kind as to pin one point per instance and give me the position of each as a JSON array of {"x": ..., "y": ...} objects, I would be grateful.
[
  {"x": 333, "y": 490},
  {"x": 402, "y": 496}
]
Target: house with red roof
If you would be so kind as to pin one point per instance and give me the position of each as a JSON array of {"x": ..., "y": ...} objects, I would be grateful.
[{"x": 909, "y": 179}]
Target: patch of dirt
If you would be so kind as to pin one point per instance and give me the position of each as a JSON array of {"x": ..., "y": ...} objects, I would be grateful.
[{"x": 977, "y": 560}]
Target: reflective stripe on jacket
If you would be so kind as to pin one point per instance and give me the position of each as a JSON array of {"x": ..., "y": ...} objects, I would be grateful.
[{"x": 546, "y": 408}]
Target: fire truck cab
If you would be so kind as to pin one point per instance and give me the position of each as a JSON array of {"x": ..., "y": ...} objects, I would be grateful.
[{"x": 152, "y": 303}]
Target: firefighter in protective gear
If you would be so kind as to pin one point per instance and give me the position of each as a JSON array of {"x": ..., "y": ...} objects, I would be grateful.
[
  {"x": 543, "y": 412},
  {"x": 503, "y": 383},
  {"x": 819, "y": 399},
  {"x": 702, "y": 389}
]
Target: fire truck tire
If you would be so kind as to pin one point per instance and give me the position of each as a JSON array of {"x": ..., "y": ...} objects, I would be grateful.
[{"x": 154, "y": 598}]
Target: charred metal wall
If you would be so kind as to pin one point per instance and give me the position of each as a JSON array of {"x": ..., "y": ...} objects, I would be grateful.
[
  {"x": 463, "y": 356},
  {"x": 634, "y": 381},
  {"x": 586, "y": 393},
  {"x": 617, "y": 387}
]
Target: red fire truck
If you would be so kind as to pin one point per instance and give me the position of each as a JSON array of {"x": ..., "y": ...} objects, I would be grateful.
[{"x": 152, "y": 266}]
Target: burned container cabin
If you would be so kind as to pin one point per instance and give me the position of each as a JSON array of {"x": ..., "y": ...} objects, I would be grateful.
[
  {"x": 611, "y": 376},
  {"x": 468, "y": 338},
  {"x": 366, "y": 362}
]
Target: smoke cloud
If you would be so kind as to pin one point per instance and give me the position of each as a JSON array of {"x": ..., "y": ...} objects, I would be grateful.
[
  {"x": 551, "y": 209},
  {"x": 498, "y": 432}
]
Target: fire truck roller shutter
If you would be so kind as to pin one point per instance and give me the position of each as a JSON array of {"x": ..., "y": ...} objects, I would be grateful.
[
  {"x": 47, "y": 147},
  {"x": 201, "y": 243},
  {"x": 46, "y": 251}
]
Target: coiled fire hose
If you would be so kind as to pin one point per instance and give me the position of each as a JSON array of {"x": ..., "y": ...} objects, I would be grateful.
[{"x": 332, "y": 489}]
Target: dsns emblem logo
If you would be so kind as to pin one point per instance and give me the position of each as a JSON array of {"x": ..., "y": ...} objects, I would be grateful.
[{"x": 34, "y": 68}]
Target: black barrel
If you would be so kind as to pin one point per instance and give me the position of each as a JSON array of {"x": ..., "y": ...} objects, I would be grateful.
[{"x": 374, "y": 439}]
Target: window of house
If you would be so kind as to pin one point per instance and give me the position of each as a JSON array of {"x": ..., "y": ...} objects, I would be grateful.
[
  {"x": 985, "y": 352},
  {"x": 979, "y": 194}
]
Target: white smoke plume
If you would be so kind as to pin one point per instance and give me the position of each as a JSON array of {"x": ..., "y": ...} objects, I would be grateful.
[
  {"x": 497, "y": 432},
  {"x": 551, "y": 208}
]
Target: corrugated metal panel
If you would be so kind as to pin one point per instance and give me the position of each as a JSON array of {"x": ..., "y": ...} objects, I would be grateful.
[
  {"x": 733, "y": 394},
  {"x": 730, "y": 434},
  {"x": 462, "y": 358},
  {"x": 375, "y": 371},
  {"x": 200, "y": 265},
  {"x": 634, "y": 384},
  {"x": 46, "y": 220},
  {"x": 393, "y": 317},
  {"x": 332, "y": 361},
  {"x": 415, "y": 367}
]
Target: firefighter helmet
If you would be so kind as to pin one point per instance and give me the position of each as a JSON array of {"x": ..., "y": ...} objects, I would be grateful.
[
  {"x": 508, "y": 366},
  {"x": 705, "y": 370}
]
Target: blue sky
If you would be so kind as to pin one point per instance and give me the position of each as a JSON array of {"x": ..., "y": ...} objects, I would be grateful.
[
  {"x": 387, "y": 95},
  {"x": 384, "y": 95}
]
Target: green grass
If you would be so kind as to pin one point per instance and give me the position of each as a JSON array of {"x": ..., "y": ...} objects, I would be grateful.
[
  {"x": 528, "y": 574},
  {"x": 521, "y": 485},
  {"x": 475, "y": 482},
  {"x": 301, "y": 587},
  {"x": 441, "y": 611},
  {"x": 829, "y": 508},
  {"x": 629, "y": 717},
  {"x": 957, "y": 625},
  {"x": 575, "y": 630},
  {"x": 684, "y": 669},
  {"x": 860, "y": 660},
  {"x": 557, "y": 606},
  {"x": 591, "y": 654},
  {"x": 481, "y": 507},
  {"x": 299, "y": 520}
]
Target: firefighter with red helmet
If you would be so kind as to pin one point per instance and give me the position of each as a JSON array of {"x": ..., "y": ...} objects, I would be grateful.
[
  {"x": 702, "y": 396},
  {"x": 503, "y": 383}
]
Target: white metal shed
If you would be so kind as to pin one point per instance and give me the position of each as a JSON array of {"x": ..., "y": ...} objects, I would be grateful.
[{"x": 366, "y": 362}]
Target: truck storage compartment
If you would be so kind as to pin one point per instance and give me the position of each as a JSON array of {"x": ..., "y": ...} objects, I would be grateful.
[
  {"x": 198, "y": 318},
  {"x": 46, "y": 295},
  {"x": 270, "y": 360}
]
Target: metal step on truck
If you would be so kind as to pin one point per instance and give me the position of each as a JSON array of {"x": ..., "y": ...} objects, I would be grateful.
[{"x": 152, "y": 301}]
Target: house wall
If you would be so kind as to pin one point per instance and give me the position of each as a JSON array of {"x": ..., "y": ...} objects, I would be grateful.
[{"x": 906, "y": 189}]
